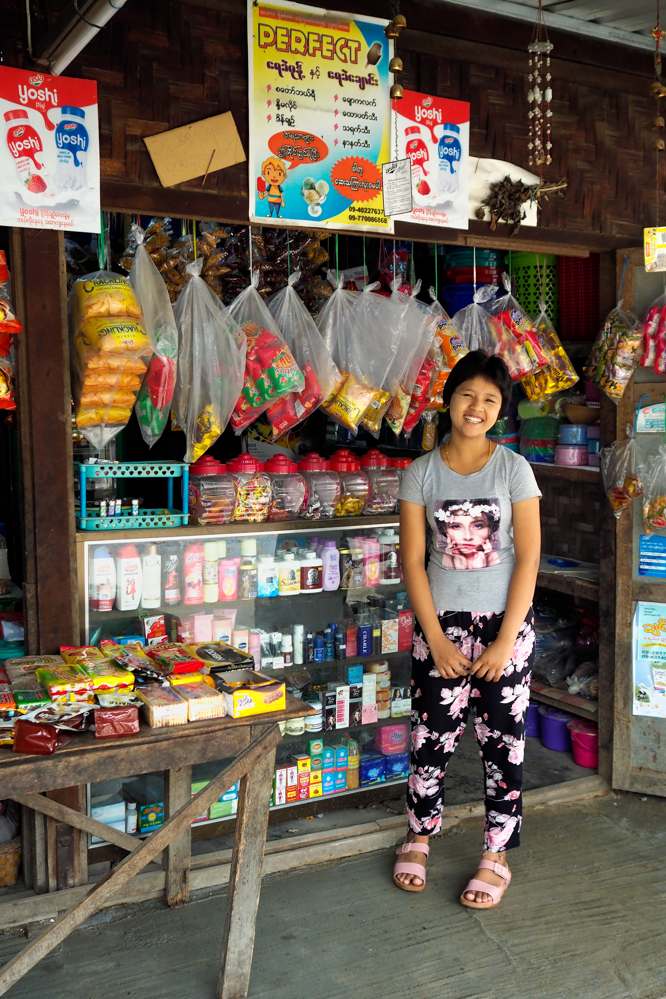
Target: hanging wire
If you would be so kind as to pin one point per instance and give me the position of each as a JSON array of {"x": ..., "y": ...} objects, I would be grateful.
[
  {"x": 249, "y": 245},
  {"x": 474, "y": 268},
  {"x": 288, "y": 254},
  {"x": 434, "y": 246},
  {"x": 194, "y": 238},
  {"x": 337, "y": 257},
  {"x": 102, "y": 259},
  {"x": 365, "y": 266}
]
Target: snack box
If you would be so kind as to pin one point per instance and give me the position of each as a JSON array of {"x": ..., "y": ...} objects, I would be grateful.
[
  {"x": 248, "y": 692},
  {"x": 106, "y": 675},
  {"x": 79, "y": 655},
  {"x": 163, "y": 706},
  {"x": 151, "y": 816},
  {"x": 172, "y": 657},
  {"x": 220, "y": 655},
  {"x": 202, "y": 702},
  {"x": 26, "y": 666}
]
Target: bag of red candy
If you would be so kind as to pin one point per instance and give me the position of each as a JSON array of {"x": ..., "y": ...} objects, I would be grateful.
[
  {"x": 9, "y": 327},
  {"x": 270, "y": 369},
  {"x": 654, "y": 337},
  {"x": 320, "y": 372},
  {"x": 517, "y": 339}
]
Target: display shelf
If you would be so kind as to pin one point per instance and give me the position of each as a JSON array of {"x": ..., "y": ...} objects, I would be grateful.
[
  {"x": 573, "y": 586},
  {"x": 361, "y": 660},
  {"x": 573, "y": 473},
  {"x": 572, "y": 703},
  {"x": 247, "y": 530}
]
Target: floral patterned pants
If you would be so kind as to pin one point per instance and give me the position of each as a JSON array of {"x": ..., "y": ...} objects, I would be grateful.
[{"x": 440, "y": 709}]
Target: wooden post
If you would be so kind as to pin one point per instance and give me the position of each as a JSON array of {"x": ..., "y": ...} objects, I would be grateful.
[
  {"x": 179, "y": 851},
  {"x": 245, "y": 880}
]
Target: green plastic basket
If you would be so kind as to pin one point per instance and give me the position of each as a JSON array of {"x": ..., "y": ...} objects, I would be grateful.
[
  {"x": 542, "y": 428},
  {"x": 525, "y": 273}
]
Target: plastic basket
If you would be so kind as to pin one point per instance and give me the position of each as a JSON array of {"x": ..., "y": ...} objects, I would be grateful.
[
  {"x": 527, "y": 271},
  {"x": 466, "y": 257},
  {"x": 144, "y": 519},
  {"x": 457, "y": 296},
  {"x": 540, "y": 428},
  {"x": 578, "y": 287},
  {"x": 10, "y": 862}
]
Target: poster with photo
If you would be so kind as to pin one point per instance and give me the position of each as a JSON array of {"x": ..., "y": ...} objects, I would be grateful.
[
  {"x": 319, "y": 117},
  {"x": 433, "y": 132},
  {"x": 49, "y": 155}
]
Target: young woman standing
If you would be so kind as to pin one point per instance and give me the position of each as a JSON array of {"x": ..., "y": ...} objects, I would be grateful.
[{"x": 470, "y": 509}]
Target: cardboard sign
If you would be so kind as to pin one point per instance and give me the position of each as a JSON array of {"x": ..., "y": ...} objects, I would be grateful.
[{"x": 195, "y": 150}]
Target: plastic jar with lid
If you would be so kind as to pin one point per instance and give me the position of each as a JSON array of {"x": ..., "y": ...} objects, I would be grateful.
[
  {"x": 253, "y": 490},
  {"x": 322, "y": 488},
  {"x": 384, "y": 483},
  {"x": 287, "y": 486},
  {"x": 400, "y": 465},
  {"x": 212, "y": 492},
  {"x": 354, "y": 483}
]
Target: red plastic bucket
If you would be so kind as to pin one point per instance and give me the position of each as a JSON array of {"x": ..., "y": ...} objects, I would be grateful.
[{"x": 584, "y": 743}]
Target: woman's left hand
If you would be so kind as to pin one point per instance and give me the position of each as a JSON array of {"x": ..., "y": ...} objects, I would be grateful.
[{"x": 491, "y": 664}]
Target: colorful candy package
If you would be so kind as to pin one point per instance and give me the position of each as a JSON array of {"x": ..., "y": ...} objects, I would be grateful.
[
  {"x": 517, "y": 341},
  {"x": 9, "y": 327},
  {"x": 616, "y": 352},
  {"x": 622, "y": 474},
  {"x": 558, "y": 373}
]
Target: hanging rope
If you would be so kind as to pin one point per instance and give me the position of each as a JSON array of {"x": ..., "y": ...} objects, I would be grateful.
[
  {"x": 102, "y": 260},
  {"x": 365, "y": 266},
  {"x": 249, "y": 247},
  {"x": 288, "y": 254},
  {"x": 474, "y": 268},
  {"x": 337, "y": 258},
  {"x": 194, "y": 238},
  {"x": 434, "y": 246}
]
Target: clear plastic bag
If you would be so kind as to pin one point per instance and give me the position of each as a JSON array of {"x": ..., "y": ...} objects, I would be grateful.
[
  {"x": 447, "y": 349},
  {"x": 616, "y": 352},
  {"x": 654, "y": 337},
  {"x": 654, "y": 493},
  {"x": 622, "y": 474},
  {"x": 516, "y": 338},
  {"x": 9, "y": 327},
  {"x": 270, "y": 369},
  {"x": 109, "y": 356},
  {"x": 419, "y": 325},
  {"x": 558, "y": 374},
  {"x": 336, "y": 320},
  {"x": 472, "y": 323},
  {"x": 320, "y": 372},
  {"x": 211, "y": 364},
  {"x": 156, "y": 394}
]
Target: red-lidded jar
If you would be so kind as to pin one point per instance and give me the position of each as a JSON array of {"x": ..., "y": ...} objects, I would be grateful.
[
  {"x": 253, "y": 490},
  {"x": 212, "y": 492},
  {"x": 384, "y": 483},
  {"x": 322, "y": 488},
  {"x": 287, "y": 488},
  {"x": 354, "y": 483}
]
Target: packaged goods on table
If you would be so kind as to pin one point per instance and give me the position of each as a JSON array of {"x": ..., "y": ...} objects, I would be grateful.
[
  {"x": 616, "y": 352},
  {"x": 110, "y": 352},
  {"x": 220, "y": 655},
  {"x": 654, "y": 337},
  {"x": 337, "y": 317},
  {"x": 211, "y": 365},
  {"x": 9, "y": 328},
  {"x": 383, "y": 483},
  {"x": 287, "y": 488},
  {"x": 202, "y": 702},
  {"x": 163, "y": 706},
  {"x": 558, "y": 374},
  {"x": 112, "y": 723},
  {"x": 159, "y": 384},
  {"x": 622, "y": 474},
  {"x": 271, "y": 373},
  {"x": 517, "y": 341},
  {"x": 248, "y": 692},
  {"x": 253, "y": 490},
  {"x": 66, "y": 683},
  {"x": 305, "y": 342},
  {"x": 323, "y": 488},
  {"x": 174, "y": 657},
  {"x": 654, "y": 493},
  {"x": 107, "y": 675},
  {"x": 212, "y": 492},
  {"x": 354, "y": 484}
]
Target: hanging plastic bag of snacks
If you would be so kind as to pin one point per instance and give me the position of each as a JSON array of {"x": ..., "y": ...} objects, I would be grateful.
[
  {"x": 320, "y": 372},
  {"x": 622, "y": 474},
  {"x": 270, "y": 369},
  {"x": 654, "y": 336},
  {"x": 447, "y": 349},
  {"x": 515, "y": 334},
  {"x": 417, "y": 368},
  {"x": 211, "y": 364},
  {"x": 654, "y": 493},
  {"x": 616, "y": 352},
  {"x": 9, "y": 327},
  {"x": 156, "y": 394},
  {"x": 110, "y": 353},
  {"x": 472, "y": 323},
  {"x": 559, "y": 373}
]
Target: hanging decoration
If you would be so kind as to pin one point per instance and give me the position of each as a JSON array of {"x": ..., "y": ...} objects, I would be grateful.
[
  {"x": 392, "y": 31},
  {"x": 540, "y": 96}
]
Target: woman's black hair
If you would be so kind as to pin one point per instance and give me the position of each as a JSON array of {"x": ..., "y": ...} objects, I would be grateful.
[{"x": 473, "y": 365}]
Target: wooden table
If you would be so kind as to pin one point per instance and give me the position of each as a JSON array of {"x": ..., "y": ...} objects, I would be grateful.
[{"x": 252, "y": 742}]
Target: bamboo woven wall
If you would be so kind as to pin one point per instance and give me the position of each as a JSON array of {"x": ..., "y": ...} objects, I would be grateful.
[
  {"x": 162, "y": 63},
  {"x": 571, "y": 504}
]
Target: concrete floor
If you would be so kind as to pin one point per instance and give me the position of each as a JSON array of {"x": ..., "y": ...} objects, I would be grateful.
[{"x": 585, "y": 917}]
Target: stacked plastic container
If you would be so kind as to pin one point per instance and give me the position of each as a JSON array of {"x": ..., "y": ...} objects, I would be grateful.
[
  {"x": 253, "y": 490},
  {"x": 354, "y": 484},
  {"x": 322, "y": 488},
  {"x": 459, "y": 275},
  {"x": 287, "y": 488},
  {"x": 572, "y": 447},
  {"x": 212, "y": 492},
  {"x": 538, "y": 439},
  {"x": 383, "y": 483}
]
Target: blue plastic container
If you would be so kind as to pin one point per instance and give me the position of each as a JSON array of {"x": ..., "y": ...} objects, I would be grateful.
[
  {"x": 573, "y": 433},
  {"x": 532, "y": 727}
]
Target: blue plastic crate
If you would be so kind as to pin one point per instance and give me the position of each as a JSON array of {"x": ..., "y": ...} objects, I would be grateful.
[{"x": 165, "y": 517}]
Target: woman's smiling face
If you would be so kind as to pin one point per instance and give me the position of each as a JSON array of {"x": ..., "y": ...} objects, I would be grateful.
[{"x": 475, "y": 407}]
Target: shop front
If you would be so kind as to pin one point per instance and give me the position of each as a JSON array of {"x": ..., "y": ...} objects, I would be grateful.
[{"x": 181, "y": 533}]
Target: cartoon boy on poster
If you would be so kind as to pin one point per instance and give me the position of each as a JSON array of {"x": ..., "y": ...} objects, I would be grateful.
[{"x": 269, "y": 185}]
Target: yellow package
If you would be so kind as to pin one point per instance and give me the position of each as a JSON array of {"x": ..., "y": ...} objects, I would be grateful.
[
  {"x": 397, "y": 411},
  {"x": 111, "y": 363},
  {"x": 178, "y": 679},
  {"x": 103, "y": 295},
  {"x": 91, "y": 398},
  {"x": 108, "y": 675},
  {"x": 79, "y": 655},
  {"x": 558, "y": 374},
  {"x": 117, "y": 380},
  {"x": 66, "y": 684},
  {"x": 376, "y": 411},
  {"x": 113, "y": 336},
  {"x": 350, "y": 403},
  {"x": 114, "y": 416}
]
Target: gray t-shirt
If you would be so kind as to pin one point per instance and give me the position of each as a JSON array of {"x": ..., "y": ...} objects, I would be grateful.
[{"x": 470, "y": 549}]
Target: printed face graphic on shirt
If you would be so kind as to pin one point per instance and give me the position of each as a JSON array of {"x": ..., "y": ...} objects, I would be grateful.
[{"x": 467, "y": 532}]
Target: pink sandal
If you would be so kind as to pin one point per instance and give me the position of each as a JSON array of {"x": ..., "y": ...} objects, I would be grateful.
[
  {"x": 416, "y": 870},
  {"x": 495, "y": 891}
]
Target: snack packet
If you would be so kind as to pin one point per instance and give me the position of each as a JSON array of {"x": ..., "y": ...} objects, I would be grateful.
[
  {"x": 472, "y": 323},
  {"x": 654, "y": 493},
  {"x": 447, "y": 349},
  {"x": 558, "y": 374},
  {"x": 616, "y": 352},
  {"x": 517, "y": 341},
  {"x": 211, "y": 354},
  {"x": 654, "y": 336},
  {"x": 417, "y": 369},
  {"x": 9, "y": 327},
  {"x": 622, "y": 474}
]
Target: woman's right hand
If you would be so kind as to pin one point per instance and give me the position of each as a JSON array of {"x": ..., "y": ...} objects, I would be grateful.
[{"x": 449, "y": 661}]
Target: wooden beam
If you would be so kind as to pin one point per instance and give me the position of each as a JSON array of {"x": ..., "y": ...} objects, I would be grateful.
[
  {"x": 179, "y": 851},
  {"x": 45, "y": 942},
  {"x": 79, "y": 820},
  {"x": 245, "y": 880}
]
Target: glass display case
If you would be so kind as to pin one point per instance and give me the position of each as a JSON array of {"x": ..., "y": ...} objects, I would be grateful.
[{"x": 322, "y": 605}]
